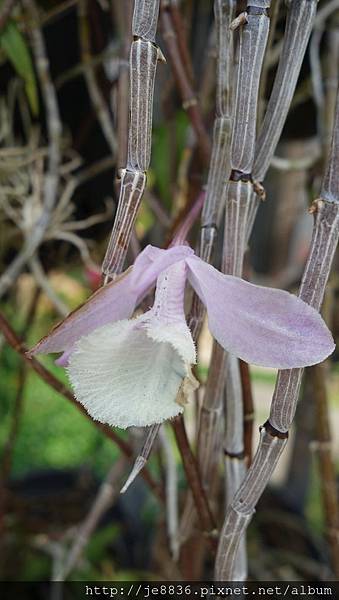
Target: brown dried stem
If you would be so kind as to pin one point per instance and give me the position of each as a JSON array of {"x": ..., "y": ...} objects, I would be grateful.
[
  {"x": 248, "y": 410},
  {"x": 96, "y": 97},
  {"x": 274, "y": 13},
  {"x": 323, "y": 447},
  {"x": 194, "y": 481},
  {"x": 180, "y": 30},
  {"x": 188, "y": 96}
]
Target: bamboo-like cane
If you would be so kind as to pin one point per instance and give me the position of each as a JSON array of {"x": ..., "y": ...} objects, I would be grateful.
[
  {"x": 298, "y": 28},
  {"x": 274, "y": 433},
  {"x": 238, "y": 198},
  {"x": 219, "y": 163},
  {"x": 299, "y": 24},
  {"x": 237, "y": 195},
  {"x": 144, "y": 56},
  {"x": 217, "y": 175},
  {"x": 242, "y": 204},
  {"x": 331, "y": 72}
]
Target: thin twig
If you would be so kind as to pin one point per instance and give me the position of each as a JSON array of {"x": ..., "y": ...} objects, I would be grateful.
[
  {"x": 51, "y": 179},
  {"x": 105, "y": 497},
  {"x": 189, "y": 98},
  {"x": 248, "y": 410},
  {"x": 327, "y": 472},
  {"x": 193, "y": 478},
  {"x": 6, "y": 10},
  {"x": 42, "y": 281},
  {"x": 172, "y": 507},
  {"x": 94, "y": 92}
]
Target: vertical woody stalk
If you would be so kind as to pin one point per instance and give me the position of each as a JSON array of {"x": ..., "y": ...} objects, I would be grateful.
[
  {"x": 218, "y": 172},
  {"x": 327, "y": 471},
  {"x": 238, "y": 199},
  {"x": 236, "y": 196},
  {"x": 274, "y": 433},
  {"x": 241, "y": 199},
  {"x": 224, "y": 12},
  {"x": 299, "y": 23},
  {"x": 143, "y": 62},
  {"x": 219, "y": 162},
  {"x": 182, "y": 76}
]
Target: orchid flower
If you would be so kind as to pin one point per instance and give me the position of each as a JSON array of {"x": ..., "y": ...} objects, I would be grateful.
[{"x": 137, "y": 371}]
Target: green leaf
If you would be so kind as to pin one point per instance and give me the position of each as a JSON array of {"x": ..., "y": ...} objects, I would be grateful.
[{"x": 14, "y": 45}]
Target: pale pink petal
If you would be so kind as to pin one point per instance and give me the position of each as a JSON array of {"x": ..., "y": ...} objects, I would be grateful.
[
  {"x": 63, "y": 360},
  {"x": 263, "y": 326},
  {"x": 112, "y": 302},
  {"x": 138, "y": 372},
  {"x": 166, "y": 321},
  {"x": 152, "y": 261}
]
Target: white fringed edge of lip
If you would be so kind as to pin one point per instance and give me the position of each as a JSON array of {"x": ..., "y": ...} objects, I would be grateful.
[{"x": 113, "y": 372}]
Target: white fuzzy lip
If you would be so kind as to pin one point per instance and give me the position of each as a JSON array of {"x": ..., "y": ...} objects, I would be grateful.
[{"x": 125, "y": 377}]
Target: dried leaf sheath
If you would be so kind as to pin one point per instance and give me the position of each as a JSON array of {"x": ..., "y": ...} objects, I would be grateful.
[
  {"x": 224, "y": 14},
  {"x": 299, "y": 23},
  {"x": 143, "y": 456},
  {"x": 238, "y": 205},
  {"x": 131, "y": 191},
  {"x": 241, "y": 509},
  {"x": 217, "y": 176},
  {"x": 324, "y": 243},
  {"x": 274, "y": 433},
  {"x": 252, "y": 43},
  {"x": 145, "y": 19},
  {"x": 237, "y": 198},
  {"x": 143, "y": 61},
  {"x": 219, "y": 164}
]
